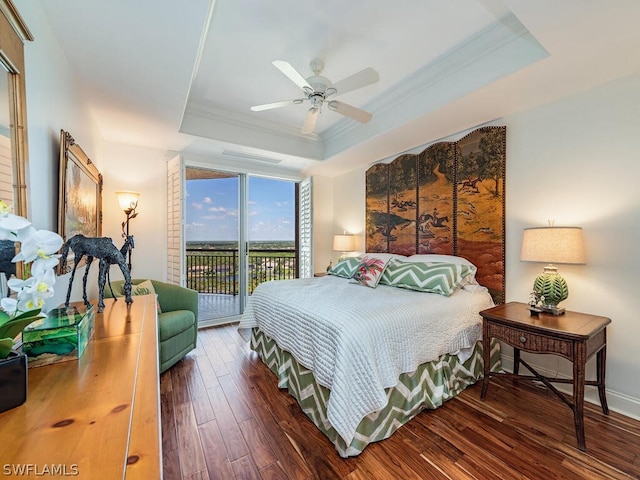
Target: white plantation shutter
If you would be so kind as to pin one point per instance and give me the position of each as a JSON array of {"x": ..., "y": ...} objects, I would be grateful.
[
  {"x": 305, "y": 220},
  {"x": 6, "y": 170},
  {"x": 175, "y": 215}
]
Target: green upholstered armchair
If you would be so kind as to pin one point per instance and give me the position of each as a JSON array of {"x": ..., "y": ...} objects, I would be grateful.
[{"x": 177, "y": 321}]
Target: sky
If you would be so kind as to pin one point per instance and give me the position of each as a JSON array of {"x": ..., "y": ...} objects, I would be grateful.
[{"x": 212, "y": 209}]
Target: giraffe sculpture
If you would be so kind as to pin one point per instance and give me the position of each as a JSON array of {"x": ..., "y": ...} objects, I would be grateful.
[{"x": 107, "y": 253}]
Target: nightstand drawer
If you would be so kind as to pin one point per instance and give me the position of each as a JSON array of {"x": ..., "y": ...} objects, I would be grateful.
[{"x": 531, "y": 342}]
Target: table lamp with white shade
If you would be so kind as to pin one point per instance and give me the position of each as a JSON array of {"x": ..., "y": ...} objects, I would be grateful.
[
  {"x": 552, "y": 245},
  {"x": 344, "y": 243}
]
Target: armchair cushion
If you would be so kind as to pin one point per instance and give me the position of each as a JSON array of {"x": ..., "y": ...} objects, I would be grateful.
[
  {"x": 177, "y": 318},
  {"x": 175, "y": 323}
]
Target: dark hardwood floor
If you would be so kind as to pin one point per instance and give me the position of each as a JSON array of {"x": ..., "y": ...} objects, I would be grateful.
[{"x": 223, "y": 417}]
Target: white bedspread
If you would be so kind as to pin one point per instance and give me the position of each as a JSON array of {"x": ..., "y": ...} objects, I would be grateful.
[{"x": 358, "y": 340}]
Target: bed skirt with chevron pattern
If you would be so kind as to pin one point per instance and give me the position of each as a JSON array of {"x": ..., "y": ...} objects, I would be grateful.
[{"x": 428, "y": 387}]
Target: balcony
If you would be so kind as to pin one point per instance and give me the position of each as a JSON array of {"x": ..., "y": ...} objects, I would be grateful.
[{"x": 213, "y": 273}]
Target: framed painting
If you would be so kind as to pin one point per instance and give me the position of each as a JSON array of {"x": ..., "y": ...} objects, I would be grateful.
[{"x": 80, "y": 193}]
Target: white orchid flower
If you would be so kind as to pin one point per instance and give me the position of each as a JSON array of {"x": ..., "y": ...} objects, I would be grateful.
[
  {"x": 30, "y": 301},
  {"x": 9, "y": 305},
  {"x": 32, "y": 292},
  {"x": 11, "y": 224},
  {"x": 37, "y": 244},
  {"x": 45, "y": 279},
  {"x": 38, "y": 248},
  {"x": 9, "y": 220},
  {"x": 17, "y": 285},
  {"x": 41, "y": 265}
]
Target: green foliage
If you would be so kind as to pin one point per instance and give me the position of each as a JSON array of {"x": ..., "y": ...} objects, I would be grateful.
[
  {"x": 10, "y": 327},
  {"x": 6, "y": 344},
  {"x": 216, "y": 271}
]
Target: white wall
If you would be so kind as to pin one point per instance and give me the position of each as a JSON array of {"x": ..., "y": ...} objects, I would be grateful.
[
  {"x": 140, "y": 170},
  {"x": 576, "y": 162},
  {"x": 55, "y": 102}
]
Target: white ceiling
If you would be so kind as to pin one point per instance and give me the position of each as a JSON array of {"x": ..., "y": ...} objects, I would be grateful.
[{"x": 182, "y": 76}]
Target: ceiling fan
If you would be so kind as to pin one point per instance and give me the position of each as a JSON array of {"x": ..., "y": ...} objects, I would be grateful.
[{"x": 317, "y": 90}]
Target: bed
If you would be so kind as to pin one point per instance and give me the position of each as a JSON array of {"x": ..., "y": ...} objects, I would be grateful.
[{"x": 363, "y": 361}]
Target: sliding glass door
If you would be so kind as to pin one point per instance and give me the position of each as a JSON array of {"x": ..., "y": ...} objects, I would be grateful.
[
  {"x": 271, "y": 233},
  {"x": 212, "y": 241},
  {"x": 239, "y": 232}
]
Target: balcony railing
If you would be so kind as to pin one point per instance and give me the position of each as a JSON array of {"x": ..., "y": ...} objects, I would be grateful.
[{"x": 216, "y": 271}]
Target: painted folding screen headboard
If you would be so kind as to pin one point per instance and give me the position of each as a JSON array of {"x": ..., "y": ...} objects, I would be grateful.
[{"x": 448, "y": 199}]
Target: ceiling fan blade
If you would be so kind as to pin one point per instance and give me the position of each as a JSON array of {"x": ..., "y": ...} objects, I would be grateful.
[
  {"x": 293, "y": 74},
  {"x": 269, "y": 106},
  {"x": 350, "y": 111},
  {"x": 310, "y": 121},
  {"x": 357, "y": 80}
]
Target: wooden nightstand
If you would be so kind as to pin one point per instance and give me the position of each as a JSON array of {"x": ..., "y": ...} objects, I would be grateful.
[{"x": 574, "y": 336}]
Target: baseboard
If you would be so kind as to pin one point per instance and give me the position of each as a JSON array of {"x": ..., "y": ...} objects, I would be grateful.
[{"x": 617, "y": 402}]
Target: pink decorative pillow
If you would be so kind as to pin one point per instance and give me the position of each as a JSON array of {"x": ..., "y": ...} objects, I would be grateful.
[{"x": 370, "y": 270}]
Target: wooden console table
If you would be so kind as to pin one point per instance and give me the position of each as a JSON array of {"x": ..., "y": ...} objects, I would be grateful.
[
  {"x": 96, "y": 417},
  {"x": 574, "y": 336}
]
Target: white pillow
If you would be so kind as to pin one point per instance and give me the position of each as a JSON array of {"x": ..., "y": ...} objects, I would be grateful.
[
  {"x": 386, "y": 256},
  {"x": 433, "y": 258}
]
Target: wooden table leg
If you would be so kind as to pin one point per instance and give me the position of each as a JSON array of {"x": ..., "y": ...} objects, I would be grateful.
[
  {"x": 579, "y": 363},
  {"x": 486, "y": 357},
  {"x": 516, "y": 360},
  {"x": 601, "y": 366}
]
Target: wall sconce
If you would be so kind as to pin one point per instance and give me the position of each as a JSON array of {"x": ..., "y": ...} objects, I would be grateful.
[
  {"x": 344, "y": 243},
  {"x": 128, "y": 202},
  {"x": 552, "y": 245}
]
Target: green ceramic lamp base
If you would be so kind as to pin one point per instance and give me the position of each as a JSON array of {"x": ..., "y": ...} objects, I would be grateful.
[{"x": 552, "y": 289}]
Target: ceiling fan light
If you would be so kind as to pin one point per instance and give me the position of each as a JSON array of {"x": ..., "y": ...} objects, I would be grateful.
[{"x": 316, "y": 101}]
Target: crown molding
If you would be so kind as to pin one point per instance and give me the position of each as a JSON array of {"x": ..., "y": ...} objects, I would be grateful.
[
  {"x": 228, "y": 163},
  {"x": 501, "y": 48},
  {"x": 16, "y": 21},
  {"x": 231, "y": 127}
]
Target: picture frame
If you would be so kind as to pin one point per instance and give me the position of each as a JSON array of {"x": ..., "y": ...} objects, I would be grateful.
[
  {"x": 80, "y": 194},
  {"x": 14, "y": 33}
]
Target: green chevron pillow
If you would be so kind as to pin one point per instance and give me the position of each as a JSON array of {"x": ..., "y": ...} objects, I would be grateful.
[
  {"x": 440, "y": 278},
  {"x": 346, "y": 268}
]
